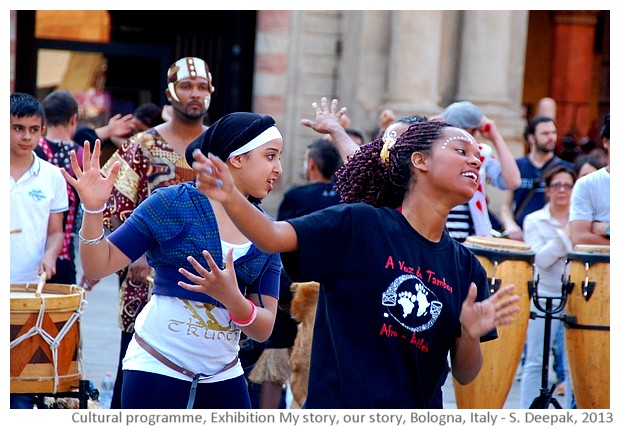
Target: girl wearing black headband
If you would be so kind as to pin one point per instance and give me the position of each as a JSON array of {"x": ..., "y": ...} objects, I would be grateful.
[{"x": 184, "y": 350}]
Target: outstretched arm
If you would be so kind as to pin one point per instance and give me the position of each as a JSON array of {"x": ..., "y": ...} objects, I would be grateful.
[
  {"x": 327, "y": 121},
  {"x": 477, "y": 319},
  {"x": 99, "y": 257},
  {"x": 215, "y": 181}
]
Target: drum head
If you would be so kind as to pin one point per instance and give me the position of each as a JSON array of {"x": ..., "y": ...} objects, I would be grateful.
[
  {"x": 591, "y": 248},
  {"x": 589, "y": 253},
  {"x": 56, "y": 296},
  {"x": 495, "y": 243}
]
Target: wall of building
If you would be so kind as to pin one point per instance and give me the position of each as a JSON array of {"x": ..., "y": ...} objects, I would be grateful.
[{"x": 414, "y": 62}]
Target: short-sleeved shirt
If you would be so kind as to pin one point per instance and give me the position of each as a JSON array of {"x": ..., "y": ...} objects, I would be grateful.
[
  {"x": 590, "y": 199},
  {"x": 42, "y": 190},
  {"x": 190, "y": 328},
  {"x": 388, "y": 309},
  {"x": 177, "y": 221}
]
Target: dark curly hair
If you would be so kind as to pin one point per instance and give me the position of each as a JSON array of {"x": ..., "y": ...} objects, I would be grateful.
[{"x": 366, "y": 178}]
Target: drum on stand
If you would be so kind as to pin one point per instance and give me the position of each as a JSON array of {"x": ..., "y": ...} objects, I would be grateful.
[
  {"x": 46, "y": 349},
  {"x": 505, "y": 261},
  {"x": 587, "y": 325}
]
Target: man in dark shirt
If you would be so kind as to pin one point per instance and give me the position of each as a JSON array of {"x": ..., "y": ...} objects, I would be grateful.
[{"x": 541, "y": 134}]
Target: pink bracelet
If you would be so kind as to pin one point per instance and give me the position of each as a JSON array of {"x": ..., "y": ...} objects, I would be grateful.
[{"x": 249, "y": 320}]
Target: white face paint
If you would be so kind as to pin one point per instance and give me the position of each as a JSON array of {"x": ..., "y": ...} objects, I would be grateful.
[
  {"x": 465, "y": 137},
  {"x": 173, "y": 93}
]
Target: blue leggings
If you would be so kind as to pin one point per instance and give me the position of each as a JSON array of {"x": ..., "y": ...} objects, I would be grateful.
[{"x": 145, "y": 390}]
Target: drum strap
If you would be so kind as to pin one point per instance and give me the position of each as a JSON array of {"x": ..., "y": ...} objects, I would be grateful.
[
  {"x": 571, "y": 322},
  {"x": 194, "y": 376}
]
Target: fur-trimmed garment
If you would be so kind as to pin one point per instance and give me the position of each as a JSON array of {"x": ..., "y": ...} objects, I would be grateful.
[
  {"x": 303, "y": 309},
  {"x": 273, "y": 366}
]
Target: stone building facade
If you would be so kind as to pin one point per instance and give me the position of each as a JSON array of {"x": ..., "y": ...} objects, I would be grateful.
[
  {"x": 414, "y": 62},
  {"x": 418, "y": 62}
]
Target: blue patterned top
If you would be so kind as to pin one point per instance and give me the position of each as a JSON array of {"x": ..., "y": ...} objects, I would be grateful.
[{"x": 177, "y": 221}]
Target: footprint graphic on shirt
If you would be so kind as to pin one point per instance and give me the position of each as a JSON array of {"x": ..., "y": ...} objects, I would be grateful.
[
  {"x": 407, "y": 301},
  {"x": 422, "y": 299}
]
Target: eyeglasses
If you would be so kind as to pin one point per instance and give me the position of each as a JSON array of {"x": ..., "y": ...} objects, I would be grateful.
[{"x": 558, "y": 186}]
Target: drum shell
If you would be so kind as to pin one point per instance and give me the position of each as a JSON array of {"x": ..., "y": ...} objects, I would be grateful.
[
  {"x": 32, "y": 364},
  {"x": 501, "y": 356},
  {"x": 588, "y": 350}
]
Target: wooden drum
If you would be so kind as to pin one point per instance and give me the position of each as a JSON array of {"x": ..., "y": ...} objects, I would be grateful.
[
  {"x": 45, "y": 338},
  {"x": 505, "y": 261},
  {"x": 587, "y": 325}
]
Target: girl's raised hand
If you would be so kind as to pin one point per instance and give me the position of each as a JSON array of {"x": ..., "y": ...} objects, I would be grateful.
[
  {"x": 90, "y": 183},
  {"x": 213, "y": 177}
]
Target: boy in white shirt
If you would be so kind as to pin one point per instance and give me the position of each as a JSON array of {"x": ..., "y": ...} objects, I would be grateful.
[{"x": 38, "y": 200}]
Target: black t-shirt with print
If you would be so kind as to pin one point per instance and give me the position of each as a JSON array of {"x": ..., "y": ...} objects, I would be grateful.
[{"x": 389, "y": 306}]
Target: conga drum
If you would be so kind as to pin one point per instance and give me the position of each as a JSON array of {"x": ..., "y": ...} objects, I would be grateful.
[
  {"x": 505, "y": 261},
  {"x": 587, "y": 325},
  {"x": 46, "y": 354}
]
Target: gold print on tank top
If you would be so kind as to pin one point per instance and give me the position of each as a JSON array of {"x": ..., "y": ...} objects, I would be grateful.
[{"x": 212, "y": 322}]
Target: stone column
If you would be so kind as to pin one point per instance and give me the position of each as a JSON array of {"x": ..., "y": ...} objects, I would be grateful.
[
  {"x": 414, "y": 62},
  {"x": 492, "y": 64},
  {"x": 491, "y": 71},
  {"x": 485, "y": 54}
]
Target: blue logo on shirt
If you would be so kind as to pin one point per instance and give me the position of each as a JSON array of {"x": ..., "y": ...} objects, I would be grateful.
[{"x": 37, "y": 194}]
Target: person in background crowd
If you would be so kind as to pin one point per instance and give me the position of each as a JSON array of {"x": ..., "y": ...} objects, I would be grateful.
[
  {"x": 112, "y": 134},
  {"x": 37, "y": 204},
  {"x": 586, "y": 164},
  {"x": 547, "y": 232},
  {"x": 541, "y": 135},
  {"x": 590, "y": 203},
  {"x": 146, "y": 115}
]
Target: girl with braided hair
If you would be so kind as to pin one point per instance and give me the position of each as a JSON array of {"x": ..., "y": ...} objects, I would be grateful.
[{"x": 398, "y": 295}]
